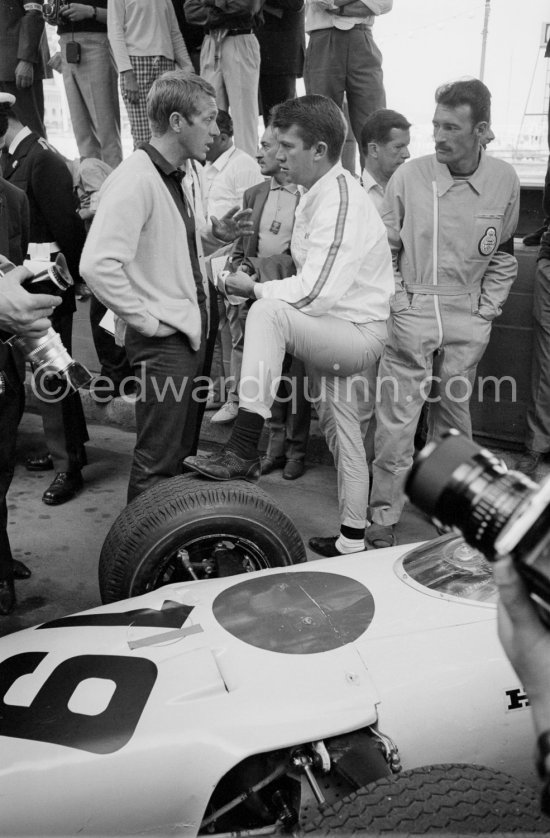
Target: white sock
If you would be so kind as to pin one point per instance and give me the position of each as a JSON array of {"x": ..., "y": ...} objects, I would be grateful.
[{"x": 349, "y": 545}]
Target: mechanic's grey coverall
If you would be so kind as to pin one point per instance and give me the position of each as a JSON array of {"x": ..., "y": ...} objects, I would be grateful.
[{"x": 451, "y": 279}]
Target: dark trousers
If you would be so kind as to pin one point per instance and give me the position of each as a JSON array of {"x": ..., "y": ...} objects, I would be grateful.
[
  {"x": 63, "y": 419},
  {"x": 29, "y": 104},
  {"x": 274, "y": 90},
  {"x": 538, "y": 411},
  {"x": 200, "y": 403},
  {"x": 166, "y": 411},
  {"x": 113, "y": 359},
  {"x": 12, "y": 402},
  {"x": 290, "y": 419},
  {"x": 346, "y": 61}
]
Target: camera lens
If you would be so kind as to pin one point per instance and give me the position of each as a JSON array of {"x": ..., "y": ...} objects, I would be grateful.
[{"x": 468, "y": 487}]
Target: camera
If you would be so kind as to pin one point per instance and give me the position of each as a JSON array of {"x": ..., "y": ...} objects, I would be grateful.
[
  {"x": 499, "y": 512},
  {"x": 51, "y": 11},
  {"x": 47, "y": 354}
]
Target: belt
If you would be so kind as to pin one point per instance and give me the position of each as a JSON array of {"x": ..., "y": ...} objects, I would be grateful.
[
  {"x": 439, "y": 290},
  {"x": 229, "y": 32},
  {"x": 361, "y": 26}
]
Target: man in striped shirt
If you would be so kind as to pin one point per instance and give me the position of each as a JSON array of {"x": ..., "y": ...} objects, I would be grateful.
[{"x": 331, "y": 313}]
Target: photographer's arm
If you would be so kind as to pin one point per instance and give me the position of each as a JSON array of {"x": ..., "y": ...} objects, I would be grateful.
[
  {"x": 83, "y": 11},
  {"x": 525, "y": 639},
  {"x": 359, "y": 8}
]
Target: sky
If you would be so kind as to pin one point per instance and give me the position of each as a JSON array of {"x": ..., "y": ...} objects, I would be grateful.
[{"x": 428, "y": 42}]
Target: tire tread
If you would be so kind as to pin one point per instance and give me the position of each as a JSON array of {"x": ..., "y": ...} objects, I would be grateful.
[
  {"x": 456, "y": 798},
  {"x": 179, "y": 496}
]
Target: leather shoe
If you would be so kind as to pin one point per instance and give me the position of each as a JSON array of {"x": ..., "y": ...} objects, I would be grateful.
[
  {"x": 20, "y": 570},
  {"x": 64, "y": 487},
  {"x": 269, "y": 464},
  {"x": 325, "y": 546},
  {"x": 7, "y": 597},
  {"x": 378, "y": 536},
  {"x": 224, "y": 466},
  {"x": 528, "y": 463},
  {"x": 39, "y": 462},
  {"x": 44, "y": 462},
  {"x": 293, "y": 469}
]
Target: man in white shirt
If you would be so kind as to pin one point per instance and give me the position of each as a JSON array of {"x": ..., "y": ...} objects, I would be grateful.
[
  {"x": 228, "y": 172},
  {"x": 342, "y": 56},
  {"x": 385, "y": 142},
  {"x": 331, "y": 313}
]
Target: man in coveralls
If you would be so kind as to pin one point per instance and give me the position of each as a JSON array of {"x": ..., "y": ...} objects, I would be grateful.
[{"x": 449, "y": 219}]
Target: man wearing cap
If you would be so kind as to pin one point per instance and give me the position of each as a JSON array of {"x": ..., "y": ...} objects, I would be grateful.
[
  {"x": 21, "y": 59},
  {"x": 55, "y": 227},
  {"x": 18, "y": 312}
]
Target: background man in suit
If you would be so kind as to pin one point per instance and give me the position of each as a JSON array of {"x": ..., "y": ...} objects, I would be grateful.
[
  {"x": 273, "y": 204},
  {"x": 18, "y": 313},
  {"x": 228, "y": 171},
  {"x": 282, "y": 42},
  {"x": 54, "y": 226},
  {"x": 21, "y": 59}
]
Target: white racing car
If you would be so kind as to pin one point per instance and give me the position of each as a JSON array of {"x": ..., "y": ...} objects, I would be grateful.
[{"x": 368, "y": 692}]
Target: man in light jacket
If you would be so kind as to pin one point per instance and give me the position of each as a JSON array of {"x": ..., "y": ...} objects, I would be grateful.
[{"x": 143, "y": 259}]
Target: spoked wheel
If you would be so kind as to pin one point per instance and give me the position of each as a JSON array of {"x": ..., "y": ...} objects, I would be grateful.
[
  {"x": 217, "y": 554},
  {"x": 186, "y": 529}
]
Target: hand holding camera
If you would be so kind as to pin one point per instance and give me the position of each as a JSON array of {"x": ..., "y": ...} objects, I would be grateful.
[
  {"x": 506, "y": 517},
  {"x": 21, "y": 312},
  {"x": 499, "y": 512},
  {"x": 524, "y": 638},
  {"x": 40, "y": 344}
]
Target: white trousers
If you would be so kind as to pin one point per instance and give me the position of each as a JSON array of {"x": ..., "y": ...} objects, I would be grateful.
[
  {"x": 335, "y": 350},
  {"x": 233, "y": 69}
]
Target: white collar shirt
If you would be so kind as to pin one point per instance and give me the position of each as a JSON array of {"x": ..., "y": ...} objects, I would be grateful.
[{"x": 373, "y": 189}]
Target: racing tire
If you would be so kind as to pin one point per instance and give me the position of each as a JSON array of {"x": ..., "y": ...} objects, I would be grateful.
[
  {"x": 455, "y": 798},
  {"x": 222, "y": 528}
]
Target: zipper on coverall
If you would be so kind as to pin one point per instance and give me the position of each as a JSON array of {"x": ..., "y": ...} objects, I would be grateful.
[{"x": 434, "y": 259}]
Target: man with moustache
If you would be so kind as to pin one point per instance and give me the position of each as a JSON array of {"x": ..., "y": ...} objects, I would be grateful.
[
  {"x": 449, "y": 219},
  {"x": 273, "y": 204}
]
